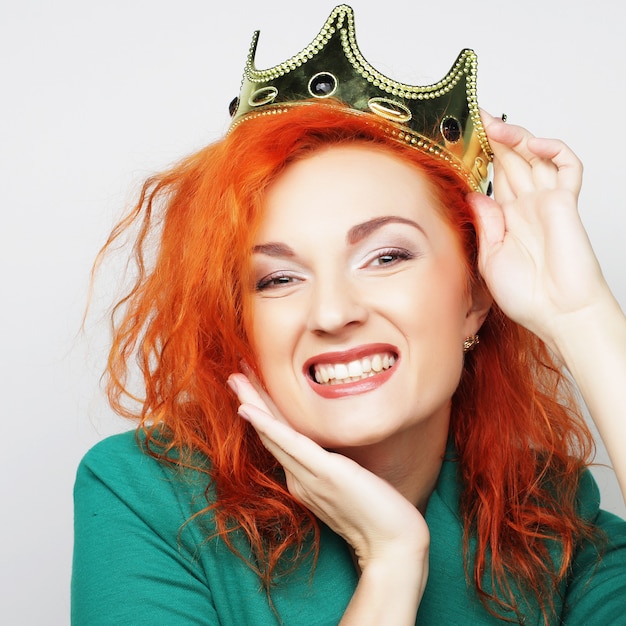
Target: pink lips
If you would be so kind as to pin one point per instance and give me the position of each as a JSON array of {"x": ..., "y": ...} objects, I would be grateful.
[{"x": 350, "y": 388}]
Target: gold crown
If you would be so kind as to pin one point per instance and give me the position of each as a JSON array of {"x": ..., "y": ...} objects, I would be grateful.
[{"x": 441, "y": 119}]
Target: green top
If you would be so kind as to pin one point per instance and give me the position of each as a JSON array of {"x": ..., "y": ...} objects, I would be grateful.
[{"x": 137, "y": 562}]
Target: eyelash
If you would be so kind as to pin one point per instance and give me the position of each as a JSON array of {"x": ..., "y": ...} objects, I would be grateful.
[
  {"x": 268, "y": 282},
  {"x": 398, "y": 254}
]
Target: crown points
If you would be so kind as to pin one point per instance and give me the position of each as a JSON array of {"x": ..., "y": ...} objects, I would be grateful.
[{"x": 441, "y": 119}]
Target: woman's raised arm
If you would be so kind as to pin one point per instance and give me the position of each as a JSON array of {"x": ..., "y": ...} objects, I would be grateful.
[{"x": 540, "y": 267}]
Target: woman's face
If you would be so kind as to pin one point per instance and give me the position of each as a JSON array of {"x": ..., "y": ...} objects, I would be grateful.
[{"x": 361, "y": 304}]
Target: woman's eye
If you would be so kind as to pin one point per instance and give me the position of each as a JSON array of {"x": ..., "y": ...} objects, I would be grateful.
[
  {"x": 275, "y": 280},
  {"x": 390, "y": 257}
]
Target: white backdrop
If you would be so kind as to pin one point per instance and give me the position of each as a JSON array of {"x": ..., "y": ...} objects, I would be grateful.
[{"x": 95, "y": 96}]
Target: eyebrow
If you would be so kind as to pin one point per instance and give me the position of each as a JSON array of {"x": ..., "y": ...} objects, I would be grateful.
[
  {"x": 274, "y": 249},
  {"x": 355, "y": 234},
  {"x": 360, "y": 231}
]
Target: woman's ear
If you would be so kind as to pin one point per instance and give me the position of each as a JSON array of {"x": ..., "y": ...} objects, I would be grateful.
[{"x": 480, "y": 304}]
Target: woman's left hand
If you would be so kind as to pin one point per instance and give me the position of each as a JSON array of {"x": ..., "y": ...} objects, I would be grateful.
[
  {"x": 535, "y": 255},
  {"x": 538, "y": 263}
]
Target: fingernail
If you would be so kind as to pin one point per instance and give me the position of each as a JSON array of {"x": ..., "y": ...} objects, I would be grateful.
[
  {"x": 243, "y": 414},
  {"x": 232, "y": 383}
]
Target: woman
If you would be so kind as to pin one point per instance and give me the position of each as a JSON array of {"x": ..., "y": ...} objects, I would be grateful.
[{"x": 390, "y": 467}]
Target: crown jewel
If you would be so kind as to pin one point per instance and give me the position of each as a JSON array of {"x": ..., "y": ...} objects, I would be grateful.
[{"x": 441, "y": 119}]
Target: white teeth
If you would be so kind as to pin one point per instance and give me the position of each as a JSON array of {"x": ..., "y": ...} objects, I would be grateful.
[
  {"x": 341, "y": 370},
  {"x": 341, "y": 373},
  {"x": 321, "y": 374},
  {"x": 354, "y": 369}
]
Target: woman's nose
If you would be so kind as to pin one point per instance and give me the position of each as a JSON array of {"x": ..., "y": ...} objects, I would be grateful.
[{"x": 335, "y": 305}]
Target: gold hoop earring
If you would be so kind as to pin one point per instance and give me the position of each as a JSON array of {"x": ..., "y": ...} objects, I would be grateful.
[{"x": 470, "y": 343}]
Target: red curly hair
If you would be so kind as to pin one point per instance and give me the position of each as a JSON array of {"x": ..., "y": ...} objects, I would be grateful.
[{"x": 520, "y": 442}]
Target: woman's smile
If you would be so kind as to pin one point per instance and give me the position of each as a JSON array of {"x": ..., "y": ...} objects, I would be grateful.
[
  {"x": 353, "y": 371},
  {"x": 350, "y": 372}
]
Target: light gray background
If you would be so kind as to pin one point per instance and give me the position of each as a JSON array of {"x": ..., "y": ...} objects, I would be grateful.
[{"x": 95, "y": 96}]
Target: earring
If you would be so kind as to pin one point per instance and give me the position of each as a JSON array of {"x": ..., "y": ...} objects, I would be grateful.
[{"x": 470, "y": 343}]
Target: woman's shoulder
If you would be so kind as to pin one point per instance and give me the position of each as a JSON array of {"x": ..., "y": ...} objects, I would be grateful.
[
  {"x": 607, "y": 550},
  {"x": 588, "y": 500},
  {"x": 126, "y": 448},
  {"x": 120, "y": 470},
  {"x": 141, "y": 557},
  {"x": 134, "y": 449},
  {"x": 596, "y": 585}
]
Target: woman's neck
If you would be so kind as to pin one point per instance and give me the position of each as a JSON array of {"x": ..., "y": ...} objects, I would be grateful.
[{"x": 410, "y": 460}]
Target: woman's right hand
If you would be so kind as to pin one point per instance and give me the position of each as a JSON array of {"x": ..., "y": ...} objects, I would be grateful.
[{"x": 388, "y": 534}]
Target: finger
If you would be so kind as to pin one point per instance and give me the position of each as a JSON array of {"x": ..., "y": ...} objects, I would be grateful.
[
  {"x": 568, "y": 165},
  {"x": 265, "y": 397},
  {"x": 502, "y": 191},
  {"x": 509, "y": 136},
  {"x": 245, "y": 391},
  {"x": 490, "y": 219},
  {"x": 491, "y": 226},
  {"x": 501, "y": 188},
  {"x": 525, "y": 170},
  {"x": 249, "y": 390},
  {"x": 294, "y": 451}
]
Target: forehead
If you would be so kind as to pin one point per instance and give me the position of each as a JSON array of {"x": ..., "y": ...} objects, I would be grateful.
[{"x": 343, "y": 185}]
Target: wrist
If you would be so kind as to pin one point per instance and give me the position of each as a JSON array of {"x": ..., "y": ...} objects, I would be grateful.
[
  {"x": 390, "y": 589},
  {"x": 576, "y": 337}
]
